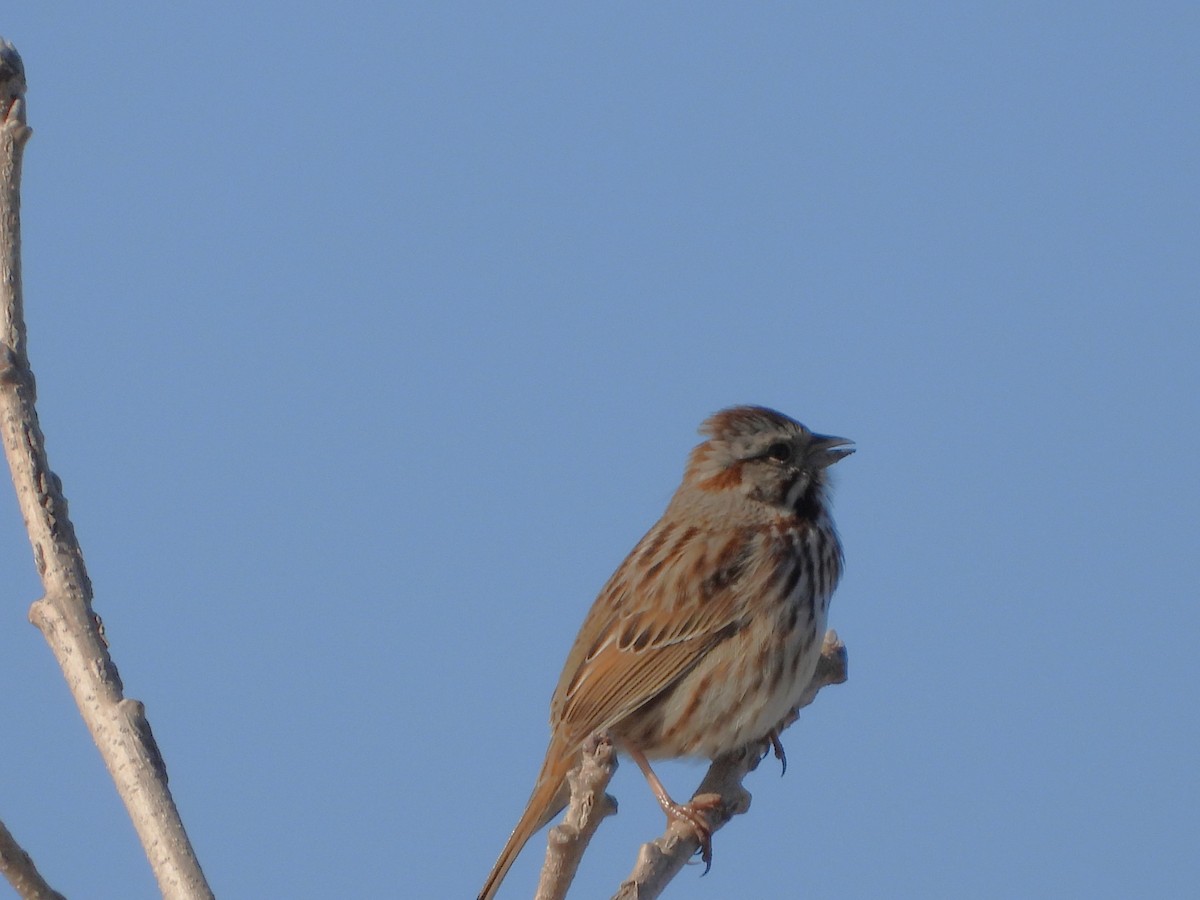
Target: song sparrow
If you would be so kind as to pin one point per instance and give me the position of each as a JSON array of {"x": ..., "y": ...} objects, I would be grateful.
[{"x": 706, "y": 636}]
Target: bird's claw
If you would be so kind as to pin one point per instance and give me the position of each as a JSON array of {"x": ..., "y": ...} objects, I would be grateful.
[
  {"x": 777, "y": 749},
  {"x": 693, "y": 815}
]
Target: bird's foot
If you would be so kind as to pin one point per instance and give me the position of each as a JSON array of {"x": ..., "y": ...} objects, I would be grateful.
[{"x": 692, "y": 814}]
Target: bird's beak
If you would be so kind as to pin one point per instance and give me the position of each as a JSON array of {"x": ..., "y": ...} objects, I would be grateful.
[{"x": 823, "y": 450}]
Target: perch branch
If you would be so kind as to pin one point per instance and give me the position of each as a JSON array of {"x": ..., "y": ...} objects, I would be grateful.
[
  {"x": 64, "y": 612},
  {"x": 661, "y": 860}
]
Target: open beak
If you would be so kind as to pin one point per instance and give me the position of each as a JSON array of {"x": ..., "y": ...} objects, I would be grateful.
[{"x": 824, "y": 450}]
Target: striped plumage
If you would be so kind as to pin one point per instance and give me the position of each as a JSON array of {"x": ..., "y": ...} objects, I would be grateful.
[{"x": 706, "y": 636}]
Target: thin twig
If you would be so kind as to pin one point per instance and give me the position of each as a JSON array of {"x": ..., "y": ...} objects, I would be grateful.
[
  {"x": 64, "y": 613},
  {"x": 17, "y": 866}
]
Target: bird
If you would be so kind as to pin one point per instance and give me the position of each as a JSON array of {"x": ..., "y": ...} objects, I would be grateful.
[{"x": 705, "y": 637}]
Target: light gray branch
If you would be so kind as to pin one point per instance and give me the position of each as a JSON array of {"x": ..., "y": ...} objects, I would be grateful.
[
  {"x": 17, "y": 866},
  {"x": 588, "y": 807},
  {"x": 64, "y": 613}
]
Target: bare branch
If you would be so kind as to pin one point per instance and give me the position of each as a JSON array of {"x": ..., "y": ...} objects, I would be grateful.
[
  {"x": 64, "y": 613},
  {"x": 588, "y": 807},
  {"x": 17, "y": 866}
]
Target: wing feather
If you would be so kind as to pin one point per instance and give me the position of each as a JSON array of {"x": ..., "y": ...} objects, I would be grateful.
[{"x": 662, "y": 611}]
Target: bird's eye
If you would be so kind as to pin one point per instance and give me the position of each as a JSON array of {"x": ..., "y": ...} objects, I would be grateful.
[{"x": 780, "y": 452}]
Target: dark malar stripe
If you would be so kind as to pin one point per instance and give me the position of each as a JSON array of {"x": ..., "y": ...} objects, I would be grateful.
[{"x": 808, "y": 507}]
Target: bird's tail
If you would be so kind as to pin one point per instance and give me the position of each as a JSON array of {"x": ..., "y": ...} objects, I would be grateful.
[{"x": 549, "y": 796}]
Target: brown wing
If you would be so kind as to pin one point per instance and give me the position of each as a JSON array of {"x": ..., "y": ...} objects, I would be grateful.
[{"x": 675, "y": 597}]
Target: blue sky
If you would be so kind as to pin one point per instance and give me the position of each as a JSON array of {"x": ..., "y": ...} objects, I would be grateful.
[{"x": 370, "y": 337}]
